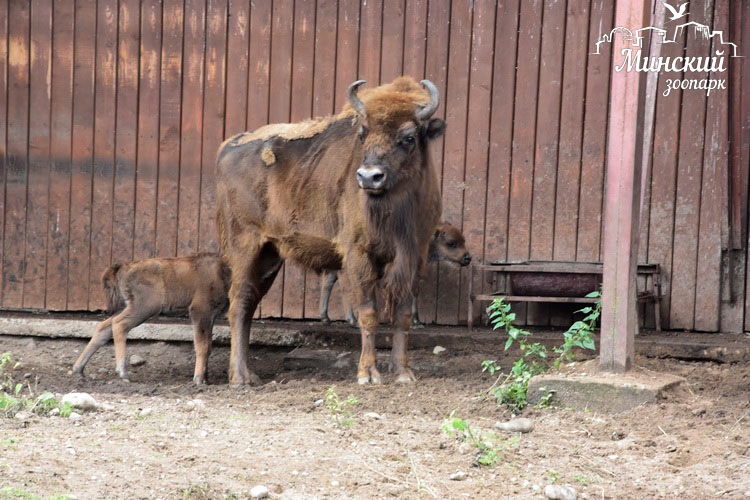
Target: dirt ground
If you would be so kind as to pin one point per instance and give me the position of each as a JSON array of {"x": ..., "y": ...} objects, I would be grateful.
[{"x": 160, "y": 436}]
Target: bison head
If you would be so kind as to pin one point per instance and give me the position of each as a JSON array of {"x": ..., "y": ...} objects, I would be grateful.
[{"x": 395, "y": 125}]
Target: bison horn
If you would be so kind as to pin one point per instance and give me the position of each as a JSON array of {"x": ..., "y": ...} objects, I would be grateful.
[
  {"x": 354, "y": 100},
  {"x": 428, "y": 110}
]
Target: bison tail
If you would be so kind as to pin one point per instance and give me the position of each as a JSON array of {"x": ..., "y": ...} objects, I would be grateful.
[{"x": 112, "y": 289}]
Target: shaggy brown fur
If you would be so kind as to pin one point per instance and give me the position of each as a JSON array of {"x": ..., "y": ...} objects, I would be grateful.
[
  {"x": 448, "y": 244},
  {"x": 355, "y": 190},
  {"x": 197, "y": 284}
]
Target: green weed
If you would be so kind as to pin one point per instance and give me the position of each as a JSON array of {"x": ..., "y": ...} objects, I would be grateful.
[
  {"x": 340, "y": 410},
  {"x": 510, "y": 388},
  {"x": 489, "y": 447},
  {"x": 19, "y": 396}
]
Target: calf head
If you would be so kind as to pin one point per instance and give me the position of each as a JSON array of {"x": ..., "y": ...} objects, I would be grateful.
[
  {"x": 449, "y": 244},
  {"x": 395, "y": 126}
]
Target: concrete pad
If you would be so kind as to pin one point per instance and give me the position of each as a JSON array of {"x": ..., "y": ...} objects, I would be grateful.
[{"x": 583, "y": 387}]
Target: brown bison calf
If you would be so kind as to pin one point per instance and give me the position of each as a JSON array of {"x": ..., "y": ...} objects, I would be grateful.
[
  {"x": 447, "y": 244},
  {"x": 198, "y": 284}
]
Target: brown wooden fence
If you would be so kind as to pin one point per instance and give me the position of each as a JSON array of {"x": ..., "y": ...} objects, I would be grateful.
[{"x": 113, "y": 111}]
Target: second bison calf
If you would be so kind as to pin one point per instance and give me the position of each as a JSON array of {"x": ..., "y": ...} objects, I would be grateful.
[{"x": 198, "y": 284}]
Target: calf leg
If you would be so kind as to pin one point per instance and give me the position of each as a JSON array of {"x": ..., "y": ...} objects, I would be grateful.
[
  {"x": 133, "y": 315},
  {"x": 368, "y": 324},
  {"x": 327, "y": 281},
  {"x": 399, "y": 353},
  {"x": 102, "y": 335},
  {"x": 251, "y": 279},
  {"x": 203, "y": 324}
]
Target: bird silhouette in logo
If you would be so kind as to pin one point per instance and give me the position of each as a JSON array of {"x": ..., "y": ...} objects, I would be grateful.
[{"x": 676, "y": 14}]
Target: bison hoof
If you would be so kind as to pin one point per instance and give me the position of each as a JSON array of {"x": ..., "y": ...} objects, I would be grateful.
[
  {"x": 198, "y": 380},
  {"x": 371, "y": 375},
  {"x": 417, "y": 324},
  {"x": 405, "y": 376},
  {"x": 249, "y": 378},
  {"x": 325, "y": 320}
]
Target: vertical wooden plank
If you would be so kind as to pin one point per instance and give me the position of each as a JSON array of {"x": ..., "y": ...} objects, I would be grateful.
[
  {"x": 456, "y": 113},
  {"x": 547, "y": 142},
  {"x": 192, "y": 126},
  {"x": 126, "y": 131},
  {"x": 414, "y": 38},
  {"x": 104, "y": 148},
  {"x": 303, "y": 73},
  {"x": 58, "y": 231},
  {"x": 524, "y": 131},
  {"x": 733, "y": 305},
  {"x": 82, "y": 155},
  {"x": 501, "y": 137},
  {"x": 744, "y": 167},
  {"x": 259, "y": 78},
  {"x": 37, "y": 201},
  {"x": 169, "y": 128},
  {"x": 17, "y": 168},
  {"x": 238, "y": 47},
  {"x": 323, "y": 88},
  {"x": 213, "y": 118},
  {"x": 260, "y": 71},
  {"x": 588, "y": 247},
  {"x": 4, "y": 64},
  {"x": 436, "y": 70},
  {"x": 689, "y": 179},
  {"x": 392, "y": 58},
  {"x": 370, "y": 35},
  {"x": 713, "y": 187},
  {"x": 667, "y": 126},
  {"x": 571, "y": 129},
  {"x": 477, "y": 139},
  {"x": 279, "y": 102},
  {"x": 149, "y": 86},
  {"x": 347, "y": 50},
  {"x": 16, "y": 176}
]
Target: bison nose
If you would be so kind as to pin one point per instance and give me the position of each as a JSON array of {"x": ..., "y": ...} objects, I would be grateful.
[
  {"x": 466, "y": 259},
  {"x": 370, "y": 177}
]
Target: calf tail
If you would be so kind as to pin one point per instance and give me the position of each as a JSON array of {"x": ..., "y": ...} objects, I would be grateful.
[{"x": 112, "y": 289}]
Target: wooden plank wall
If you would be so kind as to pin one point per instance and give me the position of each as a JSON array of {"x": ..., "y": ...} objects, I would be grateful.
[{"x": 113, "y": 111}]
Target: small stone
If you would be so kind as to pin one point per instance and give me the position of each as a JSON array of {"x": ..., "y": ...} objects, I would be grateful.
[
  {"x": 335, "y": 483},
  {"x": 54, "y": 412},
  {"x": 71, "y": 451},
  {"x": 23, "y": 415},
  {"x": 136, "y": 360},
  {"x": 145, "y": 412},
  {"x": 195, "y": 405},
  {"x": 557, "y": 492},
  {"x": 81, "y": 400},
  {"x": 318, "y": 402},
  {"x": 374, "y": 416},
  {"x": 516, "y": 425},
  {"x": 75, "y": 416},
  {"x": 457, "y": 476},
  {"x": 259, "y": 491},
  {"x": 438, "y": 349}
]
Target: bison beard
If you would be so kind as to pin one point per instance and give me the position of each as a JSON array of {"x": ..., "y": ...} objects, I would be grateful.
[{"x": 355, "y": 190}]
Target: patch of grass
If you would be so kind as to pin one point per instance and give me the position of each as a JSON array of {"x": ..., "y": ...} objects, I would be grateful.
[
  {"x": 510, "y": 388},
  {"x": 489, "y": 447},
  {"x": 340, "y": 411},
  {"x": 19, "y": 396},
  {"x": 12, "y": 493}
]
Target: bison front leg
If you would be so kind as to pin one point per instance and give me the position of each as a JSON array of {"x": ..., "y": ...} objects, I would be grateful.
[
  {"x": 399, "y": 353},
  {"x": 368, "y": 325}
]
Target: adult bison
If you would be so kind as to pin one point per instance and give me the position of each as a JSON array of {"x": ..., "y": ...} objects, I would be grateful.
[{"x": 356, "y": 190}]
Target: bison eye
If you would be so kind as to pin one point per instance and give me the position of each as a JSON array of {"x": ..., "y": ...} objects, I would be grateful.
[
  {"x": 451, "y": 244},
  {"x": 408, "y": 140},
  {"x": 362, "y": 133}
]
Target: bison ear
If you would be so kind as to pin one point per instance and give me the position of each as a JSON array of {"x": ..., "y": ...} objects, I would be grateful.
[{"x": 435, "y": 128}]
